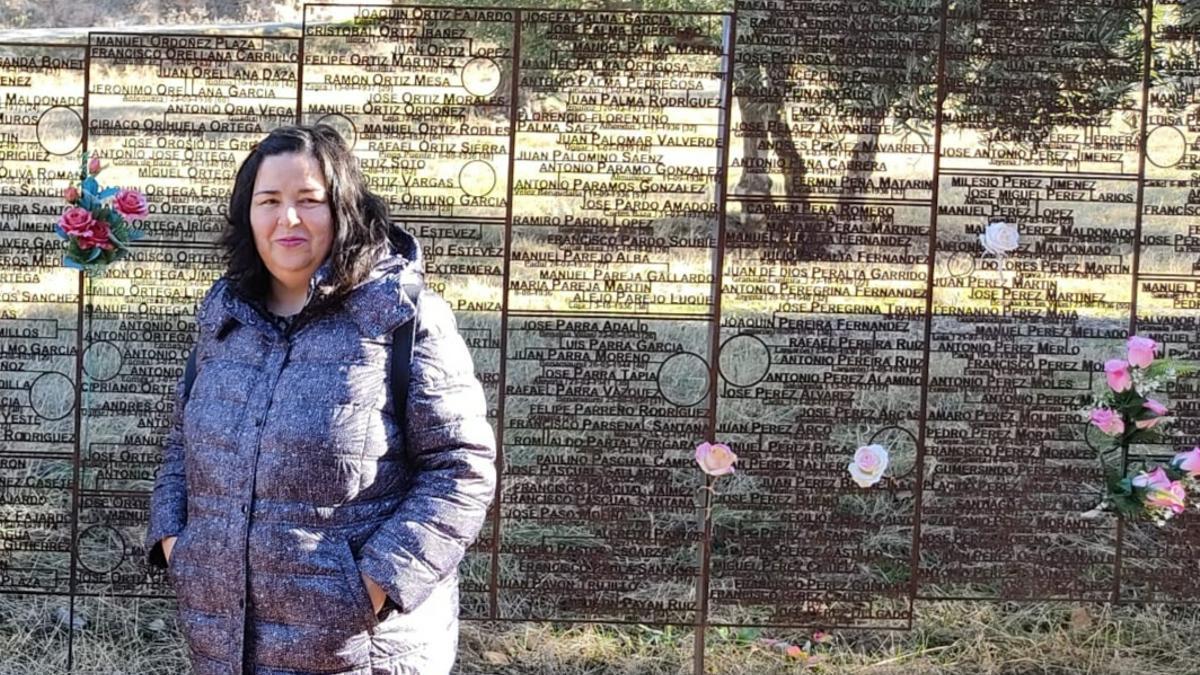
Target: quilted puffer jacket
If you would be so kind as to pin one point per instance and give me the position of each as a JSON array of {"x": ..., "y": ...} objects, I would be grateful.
[{"x": 285, "y": 476}]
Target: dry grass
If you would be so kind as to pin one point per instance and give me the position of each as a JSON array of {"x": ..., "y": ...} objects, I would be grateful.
[
  {"x": 124, "y": 635},
  {"x": 112, "y": 635},
  {"x": 947, "y": 638},
  {"x": 116, "y": 635}
]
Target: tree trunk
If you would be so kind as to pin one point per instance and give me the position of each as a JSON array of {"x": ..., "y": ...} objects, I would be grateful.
[{"x": 866, "y": 158}]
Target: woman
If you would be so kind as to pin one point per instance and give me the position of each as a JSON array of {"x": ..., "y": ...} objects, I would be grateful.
[{"x": 303, "y": 530}]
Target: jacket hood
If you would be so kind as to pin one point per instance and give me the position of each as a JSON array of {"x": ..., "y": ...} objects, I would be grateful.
[
  {"x": 402, "y": 260},
  {"x": 377, "y": 305}
]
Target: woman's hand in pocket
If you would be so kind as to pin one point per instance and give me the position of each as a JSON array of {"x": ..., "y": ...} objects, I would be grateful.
[
  {"x": 168, "y": 545},
  {"x": 378, "y": 595}
]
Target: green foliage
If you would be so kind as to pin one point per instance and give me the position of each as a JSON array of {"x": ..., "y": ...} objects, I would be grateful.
[
  {"x": 667, "y": 636},
  {"x": 1123, "y": 495},
  {"x": 1189, "y": 11},
  {"x": 742, "y": 636},
  {"x": 1168, "y": 368}
]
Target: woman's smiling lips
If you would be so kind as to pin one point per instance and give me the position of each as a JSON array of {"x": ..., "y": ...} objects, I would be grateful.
[{"x": 291, "y": 241}]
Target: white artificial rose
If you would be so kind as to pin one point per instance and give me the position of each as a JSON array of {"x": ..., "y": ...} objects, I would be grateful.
[
  {"x": 1000, "y": 239},
  {"x": 870, "y": 461}
]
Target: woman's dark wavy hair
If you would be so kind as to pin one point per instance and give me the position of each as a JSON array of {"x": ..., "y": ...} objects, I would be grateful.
[{"x": 362, "y": 230}]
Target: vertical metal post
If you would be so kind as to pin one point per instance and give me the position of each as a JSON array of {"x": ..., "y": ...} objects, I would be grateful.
[
  {"x": 77, "y": 460},
  {"x": 1147, "y": 34},
  {"x": 729, "y": 31},
  {"x": 300, "y": 65},
  {"x": 514, "y": 90},
  {"x": 930, "y": 269}
]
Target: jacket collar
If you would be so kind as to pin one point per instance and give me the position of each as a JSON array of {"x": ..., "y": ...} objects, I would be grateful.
[
  {"x": 377, "y": 306},
  {"x": 380, "y": 304}
]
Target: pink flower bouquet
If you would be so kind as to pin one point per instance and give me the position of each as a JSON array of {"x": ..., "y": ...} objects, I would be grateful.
[
  {"x": 96, "y": 225},
  {"x": 1125, "y": 415}
]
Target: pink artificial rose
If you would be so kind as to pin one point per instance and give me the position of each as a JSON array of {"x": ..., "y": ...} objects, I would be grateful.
[
  {"x": 93, "y": 166},
  {"x": 1188, "y": 461},
  {"x": 1108, "y": 421},
  {"x": 715, "y": 459},
  {"x": 1155, "y": 480},
  {"x": 1141, "y": 350},
  {"x": 131, "y": 204},
  {"x": 76, "y": 221},
  {"x": 1158, "y": 411},
  {"x": 1173, "y": 497},
  {"x": 71, "y": 194},
  {"x": 1117, "y": 372},
  {"x": 96, "y": 237}
]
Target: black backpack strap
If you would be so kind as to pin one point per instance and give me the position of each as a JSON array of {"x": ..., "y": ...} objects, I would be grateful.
[
  {"x": 189, "y": 373},
  {"x": 402, "y": 348}
]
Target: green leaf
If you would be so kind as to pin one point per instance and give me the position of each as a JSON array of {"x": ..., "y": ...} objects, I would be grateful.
[
  {"x": 1161, "y": 367},
  {"x": 1140, "y": 436},
  {"x": 1157, "y": 368},
  {"x": 1128, "y": 401},
  {"x": 1182, "y": 369},
  {"x": 1119, "y": 485},
  {"x": 1127, "y": 505}
]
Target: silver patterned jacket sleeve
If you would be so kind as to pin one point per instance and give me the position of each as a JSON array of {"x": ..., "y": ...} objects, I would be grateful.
[{"x": 452, "y": 450}]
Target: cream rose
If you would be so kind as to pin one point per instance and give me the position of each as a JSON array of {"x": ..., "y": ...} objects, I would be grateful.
[
  {"x": 870, "y": 461},
  {"x": 1000, "y": 239}
]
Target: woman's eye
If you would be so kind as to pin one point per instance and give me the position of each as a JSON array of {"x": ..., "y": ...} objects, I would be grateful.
[{"x": 268, "y": 202}]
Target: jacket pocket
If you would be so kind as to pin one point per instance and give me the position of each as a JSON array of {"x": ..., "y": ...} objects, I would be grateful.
[
  {"x": 173, "y": 563},
  {"x": 356, "y": 587},
  {"x": 188, "y": 576}
]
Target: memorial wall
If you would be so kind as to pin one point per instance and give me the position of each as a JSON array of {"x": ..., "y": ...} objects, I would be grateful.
[{"x": 758, "y": 226}]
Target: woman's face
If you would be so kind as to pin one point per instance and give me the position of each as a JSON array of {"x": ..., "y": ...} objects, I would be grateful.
[{"x": 290, "y": 217}]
